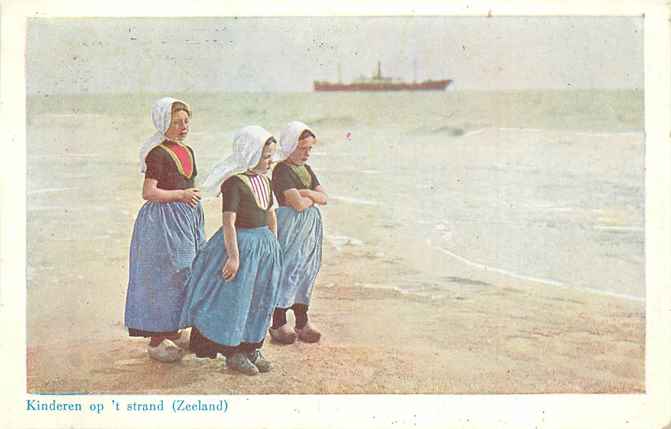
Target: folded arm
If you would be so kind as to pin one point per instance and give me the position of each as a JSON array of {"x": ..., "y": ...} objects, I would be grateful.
[
  {"x": 318, "y": 195},
  {"x": 296, "y": 200}
]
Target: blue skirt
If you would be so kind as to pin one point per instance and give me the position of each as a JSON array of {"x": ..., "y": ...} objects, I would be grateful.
[
  {"x": 237, "y": 311},
  {"x": 166, "y": 238},
  {"x": 300, "y": 235}
]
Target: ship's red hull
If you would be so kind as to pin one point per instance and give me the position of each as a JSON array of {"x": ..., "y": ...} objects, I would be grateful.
[{"x": 429, "y": 85}]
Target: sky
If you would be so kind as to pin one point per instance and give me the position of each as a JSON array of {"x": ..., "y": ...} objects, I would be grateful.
[{"x": 128, "y": 55}]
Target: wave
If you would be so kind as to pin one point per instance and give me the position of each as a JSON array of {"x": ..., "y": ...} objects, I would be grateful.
[
  {"x": 620, "y": 228},
  {"x": 450, "y": 131},
  {"x": 66, "y": 156},
  {"x": 83, "y": 238},
  {"x": 574, "y": 132},
  {"x": 49, "y": 190},
  {"x": 531, "y": 130},
  {"x": 466, "y": 132},
  {"x": 610, "y": 134},
  {"x": 474, "y": 132},
  {"x": 67, "y": 208},
  {"x": 539, "y": 280},
  {"x": 332, "y": 120},
  {"x": 421, "y": 292},
  {"x": 339, "y": 241},
  {"x": 353, "y": 200},
  {"x": 73, "y": 115}
]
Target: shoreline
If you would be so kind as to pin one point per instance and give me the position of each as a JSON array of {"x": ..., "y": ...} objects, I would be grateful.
[{"x": 541, "y": 281}]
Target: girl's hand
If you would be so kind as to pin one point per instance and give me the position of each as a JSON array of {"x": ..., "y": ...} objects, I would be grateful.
[
  {"x": 230, "y": 269},
  {"x": 306, "y": 193},
  {"x": 191, "y": 196}
]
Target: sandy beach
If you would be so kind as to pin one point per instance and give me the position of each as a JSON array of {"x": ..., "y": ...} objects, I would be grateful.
[
  {"x": 499, "y": 336},
  {"x": 404, "y": 307},
  {"x": 506, "y": 337}
]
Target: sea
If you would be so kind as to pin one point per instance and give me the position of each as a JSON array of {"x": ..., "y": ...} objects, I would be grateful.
[{"x": 543, "y": 186}]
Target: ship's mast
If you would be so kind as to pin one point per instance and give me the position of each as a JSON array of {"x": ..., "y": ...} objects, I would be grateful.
[
  {"x": 339, "y": 74},
  {"x": 379, "y": 71},
  {"x": 414, "y": 66}
]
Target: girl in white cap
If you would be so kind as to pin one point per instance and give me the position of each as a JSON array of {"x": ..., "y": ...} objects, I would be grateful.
[
  {"x": 300, "y": 232},
  {"x": 168, "y": 232},
  {"x": 233, "y": 285}
]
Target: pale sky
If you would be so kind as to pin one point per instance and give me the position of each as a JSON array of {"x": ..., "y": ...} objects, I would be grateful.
[{"x": 127, "y": 55}]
